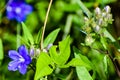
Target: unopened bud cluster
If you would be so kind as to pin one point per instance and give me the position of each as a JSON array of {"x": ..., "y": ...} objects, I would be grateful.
[
  {"x": 97, "y": 23},
  {"x": 100, "y": 19},
  {"x": 34, "y": 52}
]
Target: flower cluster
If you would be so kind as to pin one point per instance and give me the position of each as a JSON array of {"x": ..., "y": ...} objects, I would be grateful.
[
  {"x": 18, "y": 10},
  {"x": 100, "y": 19},
  {"x": 97, "y": 23},
  {"x": 21, "y": 60}
]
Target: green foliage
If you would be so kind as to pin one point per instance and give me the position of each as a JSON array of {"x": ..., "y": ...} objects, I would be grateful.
[
  {"x": 1, "y": 51},
  {"x": 45, "y": 63},
  {"x": 82, "y": 72},
  {"x": 67, "y": 7},
  {"x": 108, "y": 35},
  {"x": 44, "y": 66},
  {"x": 104, "y": 42},
  {"x": 39, "y": 36},
  {"x": 60, "y": 57},
  {"x": 51, "y": 37},
  {"x": 106, "y": 1},
  {"x": 27, "y": 34},
  {"x": 105, "y": 61}
]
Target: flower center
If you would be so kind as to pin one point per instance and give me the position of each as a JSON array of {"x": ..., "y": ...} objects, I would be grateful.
[
  {"x": 9, "y": 8},
  {"x": 18, "y": 10},
  {"x": 22, "y": 59}
]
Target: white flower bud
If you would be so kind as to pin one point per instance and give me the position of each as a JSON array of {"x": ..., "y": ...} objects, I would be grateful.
[
  {"x": 104, "y": 14},
  {"x": 107, "y": 9},
  {"x": 86, "y": 19},
  {"x": 97, "y": 28},
  {"x": 97, "y": 11},
  {"x": 89, "y": 40},
  {"x": 49, "y": 46},
  {"x": 100, "y": 21}
]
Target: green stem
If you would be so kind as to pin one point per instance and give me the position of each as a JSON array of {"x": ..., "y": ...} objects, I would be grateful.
[
  {"x": 46, "y": 18},
  {"x": 84, "y": 8},
  {"x": 68, "y": 25},
  {"x": 18, "y": 34}
]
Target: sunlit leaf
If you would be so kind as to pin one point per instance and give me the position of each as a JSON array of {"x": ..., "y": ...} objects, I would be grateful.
[
  {"x": 44, "y": 66},
  {"x": 106, "y": 1},
  {"x": 1, "y": 50},
  {"x": 62, "y": 56},
  {"x": 104, "y": 42},
  {"x": 75, "y": 62},
  {"x": 105, "y": 62}
]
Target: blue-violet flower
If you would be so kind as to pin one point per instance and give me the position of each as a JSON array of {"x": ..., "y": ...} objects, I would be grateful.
[
  {"x": 18, "y": 10},
  {"x": 20, "y": 60}
]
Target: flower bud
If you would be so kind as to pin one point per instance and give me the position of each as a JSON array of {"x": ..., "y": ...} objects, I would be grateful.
[
  {"x": 100, "y": 21},
  {"x": 32, "y": 52},
  {"x": 97, "y": 28},
  {"x": 89, "y": 40},
  {"x": 86, "y": 19},
  {"x": 49, "y": 46},
  {"x": 37, "y": 51},
  {"x": 97, "y": 11},
  {"x": 104, "y": 14},
  {"x": 107, "y": 9}
]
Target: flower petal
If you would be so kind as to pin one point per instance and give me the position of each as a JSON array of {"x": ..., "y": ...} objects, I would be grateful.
[
  {"x": 13, "y": 65},
  {"x": 27, "y": 9},
  {"x": 22, "y": 68},
  {"x": 27, "y": 60},
  {"x": 23, "y": 51},
  {"x": 14, "y": 54},
  {"x": 18, "y": 10},
  {"x": 20, "y": 17}
]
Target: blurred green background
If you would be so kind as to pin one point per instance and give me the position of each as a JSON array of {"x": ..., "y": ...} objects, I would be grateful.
[{"x": 64, "y": 14}]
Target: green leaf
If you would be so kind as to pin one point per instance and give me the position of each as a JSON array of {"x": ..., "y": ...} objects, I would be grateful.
[
  {"x": 84, "y": 8},
  {"x": 1, "y": 50},
  {"x": 27, "y": 34},
  {"x": 75, "y": 62},
  {"x": 103, "y": 41},
  {"x": 82, "y": 73},
  {"x": 44, "y": 66},
  {"x": 105, "y": 62},
  {"x": 108, "y": 35},
  {"x": 64, "y": 52},
  {"x": 106, "y": 1},
  {"x": 78, "y": 55},
  {"x": 39, "y": 35},
  {"x": 51, "y": 37}
]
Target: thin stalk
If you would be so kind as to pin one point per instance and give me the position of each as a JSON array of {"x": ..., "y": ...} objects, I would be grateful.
[
  {"x": 18, "y": 34},
  {"x": 45, "y": 22},
  {"x": 32, "y": 68},
  {"x": 114, "y": 63}
]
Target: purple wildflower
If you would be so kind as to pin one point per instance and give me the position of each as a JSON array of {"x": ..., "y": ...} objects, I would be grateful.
[
  {"x": 18, "y": 10},
  {"x": 21, "y": 60}
]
